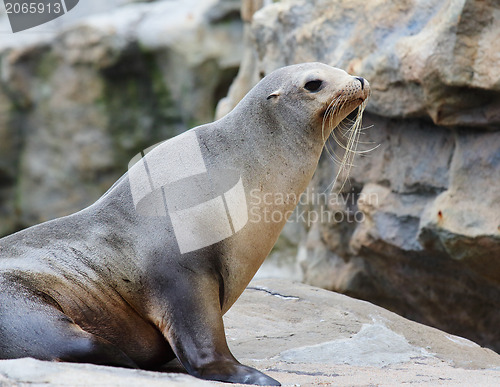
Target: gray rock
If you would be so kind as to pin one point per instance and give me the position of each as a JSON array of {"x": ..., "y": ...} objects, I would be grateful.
[
  {"x": 47, "y": 31},
  {"x": 24, "y": 372},
  {"x": 427, "y": 58},
  {"x": 81, "y": 102},
  {"x": 303, "y": 335},
  {"x": 416, "y": 229}
]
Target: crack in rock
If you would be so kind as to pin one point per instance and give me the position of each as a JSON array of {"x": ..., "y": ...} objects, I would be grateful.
[
  {"x": 283, "y": 297},
  {"x": 304, "y": 373}
]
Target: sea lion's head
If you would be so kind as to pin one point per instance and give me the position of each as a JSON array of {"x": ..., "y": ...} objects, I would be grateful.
[
  {"x": 315, "y": 99},
  {"x": 319, "y": 95}
]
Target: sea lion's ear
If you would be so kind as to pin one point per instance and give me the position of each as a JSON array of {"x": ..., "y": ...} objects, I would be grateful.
[{"x": 274, "y": 94}]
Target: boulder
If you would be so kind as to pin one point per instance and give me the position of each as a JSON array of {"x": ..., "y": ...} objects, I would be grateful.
[
  {"x": 47, "y": 31},
  {"x": 303, "y": 335},
  {"x": 78, "y": 104},
  {"x": 416, "y": 228},
  {"x": 428, "y": 58}
]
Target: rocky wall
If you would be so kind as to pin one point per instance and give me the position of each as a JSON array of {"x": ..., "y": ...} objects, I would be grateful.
[
  {"x": 77, "y": 104},
  {"x": 416, "y": 228}
]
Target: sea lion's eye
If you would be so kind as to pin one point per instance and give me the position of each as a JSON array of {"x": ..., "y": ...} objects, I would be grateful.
[{"x": 313, "y": 85}]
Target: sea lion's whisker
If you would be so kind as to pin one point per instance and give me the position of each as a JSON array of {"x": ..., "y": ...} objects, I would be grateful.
[
  {"x": 360, "y": 152},
  {"x": 344, "y": 127},
  {"x": 350, "y": 149},
  {"x": 328, "y": 120},
  {"x": 362, "y": 132},
  {"x": 346, "y": 135},
  {"x": 328, "y": 114},
  {"x": 331, "y": 152}
]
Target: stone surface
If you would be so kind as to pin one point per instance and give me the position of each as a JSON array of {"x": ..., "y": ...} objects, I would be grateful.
[
  {"x": 24, "y": 372},
  {"x": 47, "y": 31},
  {"x": 417, "y": 226},
  {"x": 423, "y": 58},
  {"x": 81, "y": 102},
  {"x": 303, "y": 335}
]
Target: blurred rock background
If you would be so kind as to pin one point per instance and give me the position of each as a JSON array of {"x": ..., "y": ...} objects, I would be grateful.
[{"x": 79, "y": 100}]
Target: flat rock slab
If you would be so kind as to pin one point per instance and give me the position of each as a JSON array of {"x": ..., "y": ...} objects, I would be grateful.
[{"x": 304, "y": 336}]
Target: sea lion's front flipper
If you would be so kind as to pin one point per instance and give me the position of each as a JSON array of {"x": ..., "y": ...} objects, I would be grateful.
[{"x": 195, "y": 331}]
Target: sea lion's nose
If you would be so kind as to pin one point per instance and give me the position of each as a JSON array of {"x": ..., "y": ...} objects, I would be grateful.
[{"x": 362, "y": 80}]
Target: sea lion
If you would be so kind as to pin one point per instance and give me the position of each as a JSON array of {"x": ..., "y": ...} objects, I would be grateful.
[{"x": 147, "y": 272}]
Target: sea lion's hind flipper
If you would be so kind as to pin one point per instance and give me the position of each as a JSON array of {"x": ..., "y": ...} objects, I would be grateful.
[
  {"x": 33, "y": 328},
  {"x": 85, "y": 347}
]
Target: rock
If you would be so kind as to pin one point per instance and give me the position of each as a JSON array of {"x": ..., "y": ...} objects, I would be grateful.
[
  {"x": 431, "y": 58},
  {"x": 247, "y": 77},
  {"x": 78, "y": 105},
  {"x": 420, "y": 235},
  {"x": 23, "y": 372},
  {"x": 462, "y": 221},
  {"x": 303, "y": 335},
  {"x": 428, "y": 58},
  {"x": 416, "y": 229},
  {"x": 47, "y": 31},
  {"x": 10, "y": 143}
]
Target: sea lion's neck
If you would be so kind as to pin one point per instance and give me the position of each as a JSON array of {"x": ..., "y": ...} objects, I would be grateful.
[{"x": 275, "y": 171}]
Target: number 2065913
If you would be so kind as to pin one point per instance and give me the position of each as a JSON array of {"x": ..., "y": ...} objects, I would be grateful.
[{"x": 18, "y": 8}]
